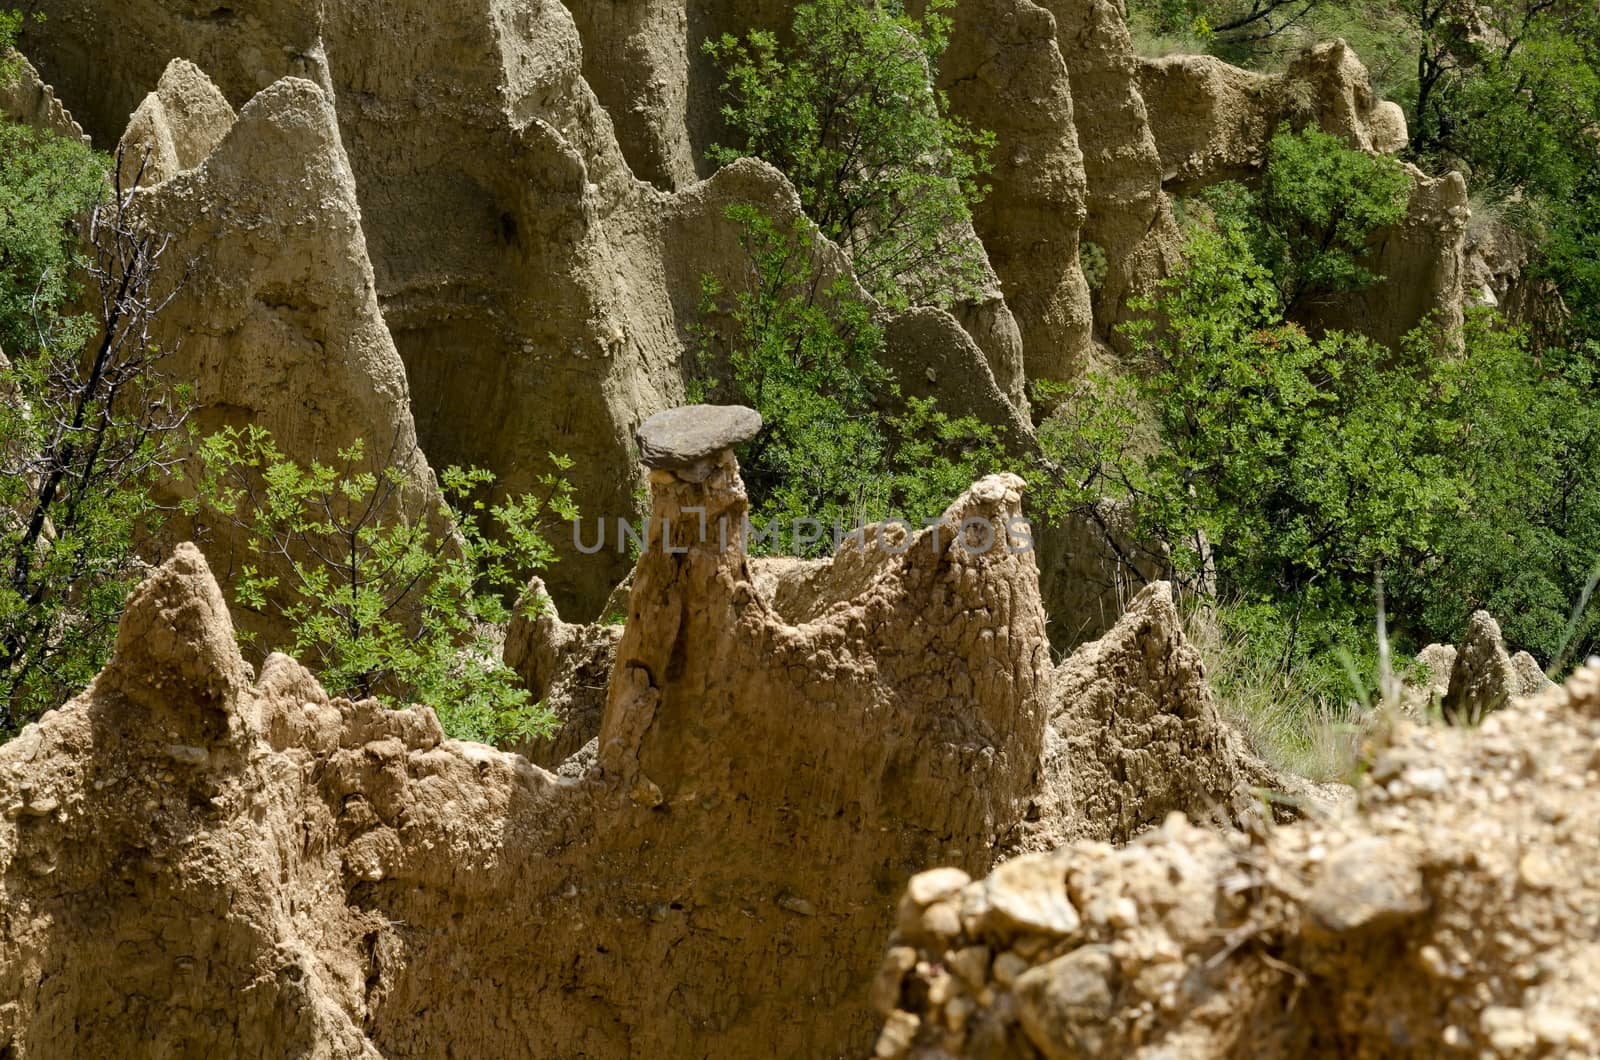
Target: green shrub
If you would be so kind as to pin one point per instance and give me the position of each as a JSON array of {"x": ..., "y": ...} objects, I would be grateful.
[
  {"x": 1291, "y": 467},
  {"x": 10, "y": 24},
  {"x": 87, "y": 423},
  {"x": 383, "y": 595},
  {"x": 808, "y": 358},
  {"x": 47, "y": 184},
  {"x": 848, "y": 112},
  {"x": 1092, "y": 259},
  {"x": 1318, "y": 204}
]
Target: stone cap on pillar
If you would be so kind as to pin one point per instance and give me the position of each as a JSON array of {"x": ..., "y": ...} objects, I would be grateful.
[{"x": 688, "y": 440}]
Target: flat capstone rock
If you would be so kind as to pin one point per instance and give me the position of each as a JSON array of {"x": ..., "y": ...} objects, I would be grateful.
[{"x": 686, "y": 437}]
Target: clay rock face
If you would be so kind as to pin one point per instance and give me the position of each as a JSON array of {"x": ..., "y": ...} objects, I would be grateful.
[
  {"x": 198, "y": 865},
  {"x": 1422, "y": 262},
  {"x": 566, "y": 666},
  {"x": 528, "y": 280},
  {"x": 243, "y": 47},
  {"x": 498, "y": 207},
  {"x": 1479, "y": 677},
  {"x": 637, "y": 56},
  {"x": 1423, "y": 692},
  {"x": 1004, "y": 72},
  {"x": 137, "y": 835},
  {"x": 175, "y": 649},
  {"x": 1129, "y": 220},
  {"x": 1212, "y": 121},
  {"x": 1453, "y": 912},
  {"x": 1495, "y": 273},
  {"x": 276, "y": 320},
  {"x": 1531, "y": 678},
  {"x": 1134, "y": 734},
  {"x": 932, "y": 353},
  {"x": 933, "y": 357},
  {"x": 645, "y": 62},
  {"x": 493, "y": 198},
  {"x": 176, "y": 127},
  {"x": 665, "y": 103},
  {"x": 1342, "y": 100},
  {"x": 924, "y": 622}
]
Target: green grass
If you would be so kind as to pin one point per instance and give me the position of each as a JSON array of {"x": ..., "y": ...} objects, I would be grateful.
[{"x": 1298, "y": 720}]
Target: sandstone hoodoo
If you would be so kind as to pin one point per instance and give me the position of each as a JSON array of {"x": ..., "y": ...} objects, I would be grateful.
[{"x": 1194, "y": 406}]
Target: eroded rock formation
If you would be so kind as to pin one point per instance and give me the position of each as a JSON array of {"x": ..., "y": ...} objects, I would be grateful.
[
  {"x": 566, "y": 666},
  {"x": 362, "y": 872},
  {"x": 27, "y": 99},
  {"x": 1212, "y": 121},
  {"x": 637, "y": 56},
  {"x": 176, "y": 127},
  {"x": 1129, "y": 234},
  {"x": 195, "y": 862},
  {"x": 1134, "y": 734},
  {"x": 1005, "y": 73},
  {"x": 1496, "y": 274},
  {"x": 1482, "y": 677},
  {"x": 479, "y": 227},
  {"x": 529, "y": 280},
  {"x": 531, "y": 204},
  {"x": 276, "y": 319},
  {"x": 273, "y": 319},
  {"x": 1464, "y": 684},
  {"x": 1453, "y": 913}
]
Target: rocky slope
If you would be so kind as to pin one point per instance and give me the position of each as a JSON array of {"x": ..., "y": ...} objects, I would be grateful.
[{"x": 1455, "y": 913}]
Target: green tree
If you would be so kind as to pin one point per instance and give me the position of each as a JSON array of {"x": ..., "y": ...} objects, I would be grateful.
[
  {"x": 87, "y": 422},
  {"x": 1518, "y": 117},
  {"x": 385, "y": 595},
  {"x": 848, "y": 112},
  {"x": 48, "y": 184},
  {"x": 1526, "y": 446},
  {"x": 1318, "y": 205},
  {"x": 1290, "y": 467},
  {"x": 840, "y": 445}
]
